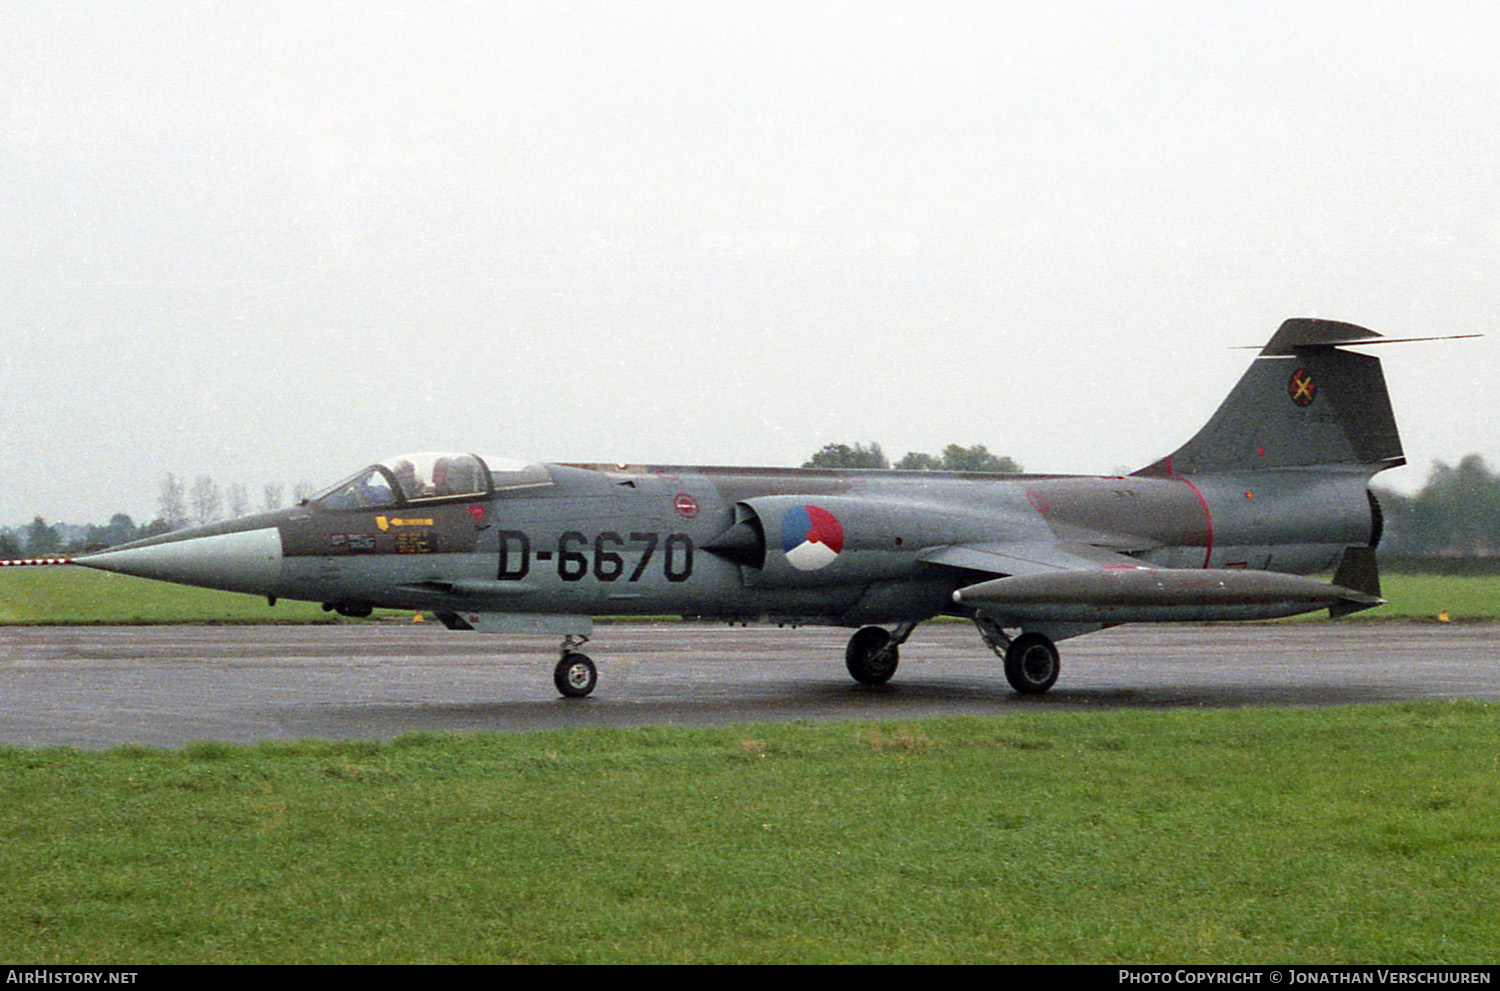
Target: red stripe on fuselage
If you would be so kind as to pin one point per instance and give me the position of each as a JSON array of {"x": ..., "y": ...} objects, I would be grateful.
[{"x": 1208, "y": 519}]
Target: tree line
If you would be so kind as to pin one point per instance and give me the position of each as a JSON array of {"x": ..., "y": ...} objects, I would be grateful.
[
  {"x": 1456, "y": 514},
  {"x": 955, "y": 457},
  {"x": 179, "y": 505}
]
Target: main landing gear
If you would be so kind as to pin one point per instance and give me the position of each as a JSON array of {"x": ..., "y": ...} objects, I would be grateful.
[
  {"x": 873, "y": 653},
  {"x": 575, "y": 675},
  {"x": 1032, "y": 662}
]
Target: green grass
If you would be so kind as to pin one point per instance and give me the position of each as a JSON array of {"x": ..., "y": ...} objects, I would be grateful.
[
  {"x": 80, "y": 596},
  {"x": 1345, "y": 835},
  {"x": 73, "y": 595},
  {"x": 1424, "y": 596}
]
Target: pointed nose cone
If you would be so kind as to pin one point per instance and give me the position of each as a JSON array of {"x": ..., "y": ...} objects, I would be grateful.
[{"x": 240, "y": 561}]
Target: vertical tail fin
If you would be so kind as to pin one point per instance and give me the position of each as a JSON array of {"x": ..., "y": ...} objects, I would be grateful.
[{"x": 1303, "y": 402}]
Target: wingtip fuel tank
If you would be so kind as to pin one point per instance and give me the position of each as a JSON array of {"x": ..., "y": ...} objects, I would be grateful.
[{"x": 1155, "y": 595}]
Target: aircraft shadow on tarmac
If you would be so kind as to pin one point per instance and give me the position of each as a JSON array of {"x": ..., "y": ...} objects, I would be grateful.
[{"x": 792, "y": 701}]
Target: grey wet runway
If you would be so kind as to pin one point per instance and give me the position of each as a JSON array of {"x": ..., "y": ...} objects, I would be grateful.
[{"x": 167, "y": 686}]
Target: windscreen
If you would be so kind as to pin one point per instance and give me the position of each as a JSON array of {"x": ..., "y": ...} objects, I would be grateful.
[{"x": 370, "y": 489}]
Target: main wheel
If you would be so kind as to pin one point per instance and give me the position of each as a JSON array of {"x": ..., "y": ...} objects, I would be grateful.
[
  {"x": 871, "y": 656},
  {"x": 575, "y": 675},
  {"x": 1032, "y": 663}
]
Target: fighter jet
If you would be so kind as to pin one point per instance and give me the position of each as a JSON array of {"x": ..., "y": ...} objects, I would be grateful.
[{"x": 1272, "y": 489}]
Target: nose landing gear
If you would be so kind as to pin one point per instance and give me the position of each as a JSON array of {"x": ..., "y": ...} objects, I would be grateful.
[{"x": 575, "y": 675}]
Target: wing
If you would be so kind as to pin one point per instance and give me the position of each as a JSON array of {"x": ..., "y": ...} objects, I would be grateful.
[{"x": 1038, "y": 557}]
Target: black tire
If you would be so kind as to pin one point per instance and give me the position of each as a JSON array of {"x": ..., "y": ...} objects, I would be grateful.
[
  {"x": 1032, "y": 663},
  {"x": 871, "y": 657},
  {"x": 575, "y": 675}
]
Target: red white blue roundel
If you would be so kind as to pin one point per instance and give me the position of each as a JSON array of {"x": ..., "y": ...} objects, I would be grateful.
[{"x": 811, "y": 537}]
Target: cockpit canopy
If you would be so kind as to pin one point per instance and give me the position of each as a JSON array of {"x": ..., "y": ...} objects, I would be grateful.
[{"x": 429, "y": 477}]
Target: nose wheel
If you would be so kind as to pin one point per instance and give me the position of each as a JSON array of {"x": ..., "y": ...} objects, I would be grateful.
[{"x": 575, "y": 675}]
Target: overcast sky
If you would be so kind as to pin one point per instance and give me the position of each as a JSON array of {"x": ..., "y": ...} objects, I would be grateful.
[{"x": 274, "y": 242}]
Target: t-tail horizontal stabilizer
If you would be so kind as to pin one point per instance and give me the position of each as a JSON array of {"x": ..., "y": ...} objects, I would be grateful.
[
  {"x": 1303, "y": 403},
  {"x": 1157, "y": 595}
]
